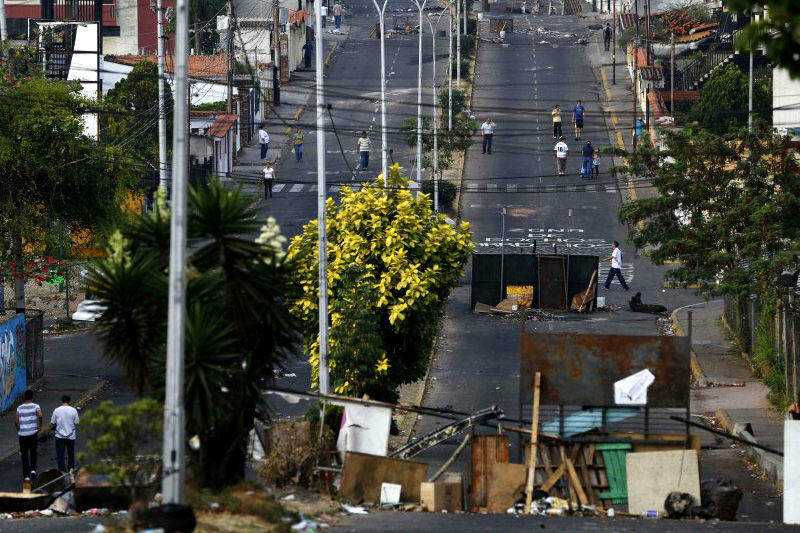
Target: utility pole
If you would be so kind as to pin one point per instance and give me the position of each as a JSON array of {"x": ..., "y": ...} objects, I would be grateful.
[
  {"x": 322, "y": 235},
  {"x": 174, "y": 430},
  {"x": 647, "y": 26},
  {"x": 381, "y": 8},
  {"x": 613, "y": 43},
  {"x": 635, "y": 70},
  {"x": 750, "y": 94},
  {"x": 421, "y": 8},
  {"x": 162, "y": 111},
  {"x": 3, "y": 27},
  {"x": 435, "y": 116},
  {"x": 276, "y": 53},
  {"x": 229, "y": 49},
  {"x": 672, "y": 74}
]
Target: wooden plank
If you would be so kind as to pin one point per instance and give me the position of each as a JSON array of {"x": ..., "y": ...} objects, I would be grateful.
[
  {"x": 363, "y": 475},
  {"x": 575, "y": 482},
  {"x": 537, "y": 380},
  {"x": 506, "y": 486},
  {"x": 554, "y": 477},
  {"x": 547, "y": 469},
  {"x": 585, "y": 479},
  {"x": 486, "y": 451}
]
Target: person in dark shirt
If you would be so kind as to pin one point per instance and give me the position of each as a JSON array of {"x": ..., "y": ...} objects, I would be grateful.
[
  {"x": 607, "y": 36},
  {"x": 577, "y": 119},
  {"x": 588, "y": 152}
]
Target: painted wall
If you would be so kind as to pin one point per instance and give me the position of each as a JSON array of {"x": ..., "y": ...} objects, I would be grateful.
[{"x": 12, "y": 361}]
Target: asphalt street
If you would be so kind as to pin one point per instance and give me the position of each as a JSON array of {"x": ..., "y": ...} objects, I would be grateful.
[{"x": 352, "y": 88}]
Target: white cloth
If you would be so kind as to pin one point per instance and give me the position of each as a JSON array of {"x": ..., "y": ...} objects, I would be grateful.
[
  {"x": 365, "y": 429},
  {"x": 65, "y": 419},
  {"x": 28, "y": 418},
  {"x": 487, "y": 129},
  {"x": 324, "y": 10},
  {"x": 364, "y": 144},
  {"x": 561, "y": 150},
  {"x": 616, "y": 258},
  {"x": 269, "y": 173},
  {"x": 633, "y": 389},
  {"x": 263, "y": 137}
]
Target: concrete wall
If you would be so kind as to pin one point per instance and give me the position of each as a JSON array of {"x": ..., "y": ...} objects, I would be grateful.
[
  {"x": 785, "y": 103},
  {"x": 128, "y": 40}
]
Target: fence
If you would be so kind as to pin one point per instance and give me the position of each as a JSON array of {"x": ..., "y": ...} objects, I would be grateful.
[
  {"x": 743, "y": 318},
  {"x": 552, "y": 279},
  {"x": 34, "y": 344}
]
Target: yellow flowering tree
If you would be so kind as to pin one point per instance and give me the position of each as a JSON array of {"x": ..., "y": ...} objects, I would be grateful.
[{"x": 391, "y": 266}]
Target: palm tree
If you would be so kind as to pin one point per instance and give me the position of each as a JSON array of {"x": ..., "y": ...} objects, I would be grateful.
[{"x": 238, "y": 327}]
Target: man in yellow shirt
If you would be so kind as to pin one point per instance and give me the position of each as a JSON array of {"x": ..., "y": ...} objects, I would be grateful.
[{"x": 556, "y": 112}]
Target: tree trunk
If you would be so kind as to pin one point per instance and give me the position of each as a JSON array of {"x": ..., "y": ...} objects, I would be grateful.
[
  {"x": 196, "y": 33},
  {"x": 223, "y": 451},
  {"x": 19, "y": 281}
]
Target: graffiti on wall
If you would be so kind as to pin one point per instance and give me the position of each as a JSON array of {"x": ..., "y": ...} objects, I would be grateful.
[{"x": 12, "y": 360}]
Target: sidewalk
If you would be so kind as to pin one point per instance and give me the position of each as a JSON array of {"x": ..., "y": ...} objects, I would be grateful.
[
  {"x": 719, "y": 369},
  {"x": 282, "y": 120},
  {"x": 616, "y": 100},
  {"x": 73, "y": 365}
]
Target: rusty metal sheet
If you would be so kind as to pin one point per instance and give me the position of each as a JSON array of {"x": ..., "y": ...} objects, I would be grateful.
[
  {"x": 580, "y": 369},
  {"x": 552, "y": 282}
]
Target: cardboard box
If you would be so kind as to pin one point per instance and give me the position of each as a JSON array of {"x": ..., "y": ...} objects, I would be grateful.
[{"x": 441, "y": 496}]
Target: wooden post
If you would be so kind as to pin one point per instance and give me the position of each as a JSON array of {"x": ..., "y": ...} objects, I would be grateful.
[{"x": 534, "y": 433}]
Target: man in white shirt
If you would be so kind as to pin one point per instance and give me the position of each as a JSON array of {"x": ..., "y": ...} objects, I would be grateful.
[
  {"x": 616, "y": 267},
  {"x": 488, "y": 132},
  {"x": 561, "y": 151},
  {"x": 263, "y": 140},
  {"x": 65, "y": 424},
  {"x": 363, "y": 146},
  {"x": 28, "y": 421},
  {"x": 323, "y": 10}
]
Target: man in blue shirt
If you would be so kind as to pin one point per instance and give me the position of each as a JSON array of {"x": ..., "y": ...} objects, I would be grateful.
[
  {"x": 577, "y": 119},
  {"x": 588, "y": 151}
]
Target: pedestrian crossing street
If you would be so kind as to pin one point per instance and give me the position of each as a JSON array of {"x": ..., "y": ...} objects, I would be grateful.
[{"x": 299, "y": 188}]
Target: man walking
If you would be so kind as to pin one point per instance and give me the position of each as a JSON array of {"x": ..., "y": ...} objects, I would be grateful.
[
  {"x": 616, "y": 267},
  {"x": 588, "y": 153},
  {"x": 561, "y": 151},
  {"x": 577, "y": 119},
  {"x": 28, "y": 421},
  {"x": 269, "y": 177},
  {"x": 337, "y": 15},
  {"x": 363, "y": 147},
  {"x": 308, "y": 50},
  {"x": 607, "y": 36},
  {"x": 65, "y": 423},
  {"x": 297, "y": 141},
  {"x": 488, "y": 132},
  {"x": 263, "y": 141}
]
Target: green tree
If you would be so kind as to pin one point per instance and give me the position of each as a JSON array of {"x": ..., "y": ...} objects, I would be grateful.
[
  {"x": 409, "y": 260},
  {"x": 722, "y": 107},
  {"x": 238, "y": 327},
  {"x": 123, "y": 442},
  {"x": 55, "y": 182},
  {"x": 776, "y": 32},
  {"x": 727, "y": 212},
  {"x": 131, "y": 120}
]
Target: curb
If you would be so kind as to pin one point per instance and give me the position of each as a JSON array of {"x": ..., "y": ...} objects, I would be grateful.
[
  {"x": 697, "y": 371},
  {"x": 768, "y": 463},
  {"x": 78, "y": 404}
]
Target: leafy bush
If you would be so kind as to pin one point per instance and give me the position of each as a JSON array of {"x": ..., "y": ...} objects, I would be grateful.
[
  {"x": 447, "y": 192},
  {"x": 459, "y": 101},
  {"x": 406, "y": 261},
  {"x": 124, "y": 443},
  {"x": 210, "y": 106}
]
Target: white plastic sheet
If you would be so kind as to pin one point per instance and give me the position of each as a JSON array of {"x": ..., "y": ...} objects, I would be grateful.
[{"x": 632, "y": 390}]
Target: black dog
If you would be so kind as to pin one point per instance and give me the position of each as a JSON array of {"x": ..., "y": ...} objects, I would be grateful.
[{"x": 637, "y": 306}]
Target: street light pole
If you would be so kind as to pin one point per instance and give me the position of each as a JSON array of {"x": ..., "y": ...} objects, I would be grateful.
[
  {"x": 174, "y": 430},
  {"x": 322, "y": 235},
  {"x": 435, "y": 117},
  {"x": 613, "y": 42},
  {"x": 420, "y": 7},
  {"x": 458, "y": 44},
  {"x": 450, "y": 68},
  {"x": 3, "y": 27},
  {"x": 162, "y": 111},
  {"x": 750, "y": 94},
  {"x": 384, "y": 149}
]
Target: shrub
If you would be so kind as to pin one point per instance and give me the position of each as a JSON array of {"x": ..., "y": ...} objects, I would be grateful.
[{"x": 447, "y": 192}]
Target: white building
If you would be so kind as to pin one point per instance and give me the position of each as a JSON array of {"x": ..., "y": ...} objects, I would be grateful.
[{"x": 785, "y": 103}]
